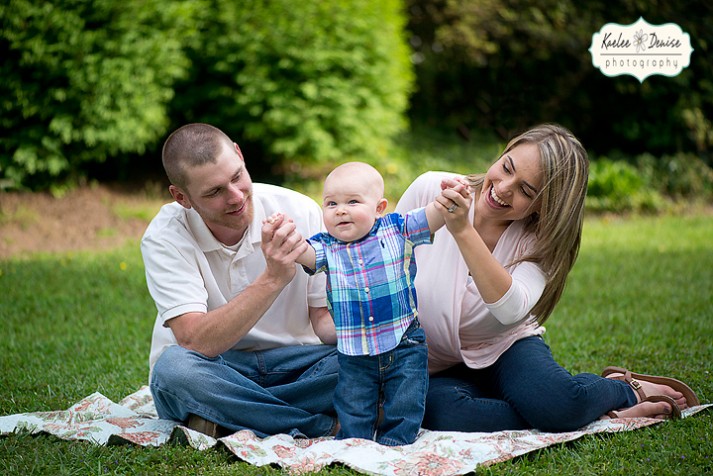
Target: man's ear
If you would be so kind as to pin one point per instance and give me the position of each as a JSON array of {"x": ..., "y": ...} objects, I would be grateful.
[
  {"x": 381, "y": 206},
  {"x": 180, "y": 196},
  {"x": 240, "y": 152}
]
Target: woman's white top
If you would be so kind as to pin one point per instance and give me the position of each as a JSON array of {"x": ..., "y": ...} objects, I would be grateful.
[{"x": 459, "y": 325}]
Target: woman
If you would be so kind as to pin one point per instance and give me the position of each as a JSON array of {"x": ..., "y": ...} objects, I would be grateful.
[{"x": 489, "y": 282}]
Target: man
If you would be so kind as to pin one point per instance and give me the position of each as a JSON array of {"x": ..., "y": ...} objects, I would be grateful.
[{"x": 233, "y": 347}]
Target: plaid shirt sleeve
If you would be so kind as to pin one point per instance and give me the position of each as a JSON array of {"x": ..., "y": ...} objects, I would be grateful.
[{"x": 416, "y": 228}]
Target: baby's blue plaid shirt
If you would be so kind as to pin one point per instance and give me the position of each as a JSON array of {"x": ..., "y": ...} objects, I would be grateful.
[{"x": 370, "y": 290}]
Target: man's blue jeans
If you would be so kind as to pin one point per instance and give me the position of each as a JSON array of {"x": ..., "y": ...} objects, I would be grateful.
[
  {"x": 398, "y": 379},
  {"x": 284, "y": 390},
  {"x": 524, "y": 389}
]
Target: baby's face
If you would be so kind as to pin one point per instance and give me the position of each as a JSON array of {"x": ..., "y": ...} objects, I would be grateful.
[{"x": 350, "y": 207}]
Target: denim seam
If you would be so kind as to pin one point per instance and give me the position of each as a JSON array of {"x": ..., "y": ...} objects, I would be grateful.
[
  {"x": 261, "y": 368},
  {"x": 191, "y": 408}
]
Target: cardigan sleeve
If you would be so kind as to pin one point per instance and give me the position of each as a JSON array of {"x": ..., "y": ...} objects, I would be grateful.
[{"x": 528, "y": 284}]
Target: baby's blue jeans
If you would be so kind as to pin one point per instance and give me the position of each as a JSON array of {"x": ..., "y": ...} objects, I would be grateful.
[{"x": 396, "y": 380}]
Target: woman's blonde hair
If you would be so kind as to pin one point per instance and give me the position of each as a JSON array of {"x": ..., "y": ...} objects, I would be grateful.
[{"x": 558, "y": 224}]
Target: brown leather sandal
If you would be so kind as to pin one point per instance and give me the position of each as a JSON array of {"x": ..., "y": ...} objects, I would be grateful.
[
  {"x": 675, "y": 411},
  {"x": 633, "y": 380},
  {"x": 206, "y": 427}
]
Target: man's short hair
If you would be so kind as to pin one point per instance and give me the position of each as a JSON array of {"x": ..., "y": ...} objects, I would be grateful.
[{"x": 190, "y": 146}]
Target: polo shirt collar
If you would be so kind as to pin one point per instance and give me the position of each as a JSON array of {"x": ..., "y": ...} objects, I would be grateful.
[{"x": 207, "y": 242}]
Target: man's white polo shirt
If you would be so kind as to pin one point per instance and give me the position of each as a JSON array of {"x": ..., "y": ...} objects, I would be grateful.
[{"x": 188, "y": 270}]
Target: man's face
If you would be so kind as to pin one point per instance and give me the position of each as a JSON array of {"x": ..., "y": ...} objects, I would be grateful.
[{"x": 221, "y": 193}]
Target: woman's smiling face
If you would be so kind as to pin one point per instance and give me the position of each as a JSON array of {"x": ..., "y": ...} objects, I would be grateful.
[{"x": 512, "y": 184}]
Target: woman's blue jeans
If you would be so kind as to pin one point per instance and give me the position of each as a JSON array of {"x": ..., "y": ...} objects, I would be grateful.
[
  {"x": 396, "y": 380},
  {"x": 524, "y": 389},
  {"x": 283, "y": 390}
]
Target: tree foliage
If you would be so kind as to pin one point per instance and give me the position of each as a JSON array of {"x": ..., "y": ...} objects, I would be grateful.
[
  {"x": 89, "y": 82},
  {"x": 504, "y": 65},
  {"x": 312, "y": 83},
  {"x": 83, "y": 81}
]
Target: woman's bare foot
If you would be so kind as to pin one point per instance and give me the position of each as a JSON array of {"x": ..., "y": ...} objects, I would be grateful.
[
  {"x": 656, "y": 410},
  {"x": 652, "y": 389}
]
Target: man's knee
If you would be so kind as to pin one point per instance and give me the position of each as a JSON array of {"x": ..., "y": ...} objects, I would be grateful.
[{"x": 176, "y": 367}]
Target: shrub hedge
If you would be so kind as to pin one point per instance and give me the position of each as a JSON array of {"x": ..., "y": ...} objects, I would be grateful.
[
  {"x": 305, "y": 85},
  {"x": 84, "y": 81}
]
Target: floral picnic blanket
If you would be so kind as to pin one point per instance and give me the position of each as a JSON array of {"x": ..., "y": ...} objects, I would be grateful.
[{"x": 98, "y": 420}]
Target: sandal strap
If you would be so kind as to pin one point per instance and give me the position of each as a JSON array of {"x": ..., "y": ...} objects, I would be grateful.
[
  {"x": 675, "y": 410},
  {"x": 635, "y": 385}
]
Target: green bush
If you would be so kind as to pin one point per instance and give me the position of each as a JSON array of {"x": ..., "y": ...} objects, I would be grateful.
[
  {"x": 617, "y": 186},
  {"x": 83, "y": 81},
  {"x": 679, "y": 176},
  {"x": 304, "y": 84}
]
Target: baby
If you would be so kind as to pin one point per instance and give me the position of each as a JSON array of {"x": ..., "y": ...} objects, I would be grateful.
[{"x": 371, "y": 297}]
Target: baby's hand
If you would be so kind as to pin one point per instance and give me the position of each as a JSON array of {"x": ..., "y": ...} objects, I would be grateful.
[
  {"x": 457, "y": 184},
  {"x": 274, "y": 218}
]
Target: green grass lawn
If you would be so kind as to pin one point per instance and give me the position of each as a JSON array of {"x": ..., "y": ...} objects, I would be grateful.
[{"x": 641, "y": 296}]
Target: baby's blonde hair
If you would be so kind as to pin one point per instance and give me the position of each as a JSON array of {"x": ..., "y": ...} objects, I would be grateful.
[{"x": 372, "y": 176}]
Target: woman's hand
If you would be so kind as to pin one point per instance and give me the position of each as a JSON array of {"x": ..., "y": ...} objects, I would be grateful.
[{"x": 454, "y": 203}]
